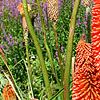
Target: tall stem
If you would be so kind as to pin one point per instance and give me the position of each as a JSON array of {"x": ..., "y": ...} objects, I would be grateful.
[
  {"x": 38, "y": 48},
  {"x": 69, "y": 52},
  {"x": 60, "y": 59},
  {"x": 89, "y": 25},
  {"x": 59, "y": 55},
  {"x": 45, "y": 42},
  {"x": 29, "y": 66}
]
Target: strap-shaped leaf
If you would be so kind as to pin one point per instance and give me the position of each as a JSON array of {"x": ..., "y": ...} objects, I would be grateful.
[{"x": 57, "y": 94}]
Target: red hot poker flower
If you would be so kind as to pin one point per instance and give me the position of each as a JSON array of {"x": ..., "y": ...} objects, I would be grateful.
[
  {"x": 85, "y": 82},
  {"x": 96, "y": 33},
  {"x": 8, "y": 93}
]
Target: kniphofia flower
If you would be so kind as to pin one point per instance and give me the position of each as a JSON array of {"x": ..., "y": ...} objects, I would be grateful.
[
  {"x": 96, "y": 33},
  {"x": 21, "y": 9},
  {"x": 85, "y": 82},
  {"x": 53, "y": 10},
  {"x": 8, "y": 93},
  {"x": 86, "y": 3},
  {"x": 24, "y": 23}
]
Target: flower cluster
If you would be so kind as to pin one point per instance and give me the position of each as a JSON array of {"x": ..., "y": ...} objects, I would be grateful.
[
  {"x": 8, "y": 42},
  {"x": 96, "y": 33},
  {"x": 8, "y": 93},
  {"x": 85, "y": 82}
]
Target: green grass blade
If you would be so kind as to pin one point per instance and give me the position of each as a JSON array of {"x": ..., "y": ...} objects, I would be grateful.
[{"x": 57, "y": 94}]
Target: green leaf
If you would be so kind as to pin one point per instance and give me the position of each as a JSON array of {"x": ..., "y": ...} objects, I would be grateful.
[{"x": 57, "y": 94}]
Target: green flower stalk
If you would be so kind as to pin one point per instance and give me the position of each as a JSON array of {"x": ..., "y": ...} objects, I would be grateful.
[
  {"x": 88, "y": 24},
  {"x": 38, "y": 48},
  {"x": 29, "y": 66},
  {"x": 53, "y": 15},
  {"x": 25, "y": 34},
  {"x": 69, "y": 52},
  {"x": 59, "y": 55},
  {"x": 45, "y": 42}
]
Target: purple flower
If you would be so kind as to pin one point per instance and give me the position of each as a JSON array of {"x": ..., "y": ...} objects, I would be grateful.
[
  {"x": 73, "y": 4},
  {"x": 2, "y": 47},
  {"x": 46, "y": 5},
  {"x": 56, "y": 53},
  {"x": 7, "y": 3},
  {"x": 86, "y": 15},
  {"x": 0, "y": 3},
  {"x": 60, "y": 2},
  {"x": 85, "y": 23},
  {"x": 41, "y": 30},
  {"x": 41, "y": 4},
  {"x": 82, "y": 2},
  {"x": 33, "y": 2},
  {"x": 62, "y": 48},
  {"x": 8, "y": 41},
  {"x": 16, "y": 12},
  {"x": 4, "y": 33},
  {"x": 11, "y": 39},
  {"x": 2, "y": 25},
  {"x": 22, "y": 43},
  {"x": 4, "y": 43},
  {"x": 16, "y": 1},
  {"x": 44, "y": 11},
  {"x": 20, "y": 1},
  {"x": 34, "y": 24},
  {"x": 1, "y": 13},
  {"x": 0, "y": 67},
  {"x": 16, "y": 43},
  {"x": 79, "y": 22},
  {"x": 83, "y": 31}
]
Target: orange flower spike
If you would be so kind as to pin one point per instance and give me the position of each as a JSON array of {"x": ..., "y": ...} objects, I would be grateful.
[
  {"x": 8, "y": 93},
  {"x": 85, "y": 81},
  {"x": 21, "y": 9},
  {"x": 96, "y": 33}
]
